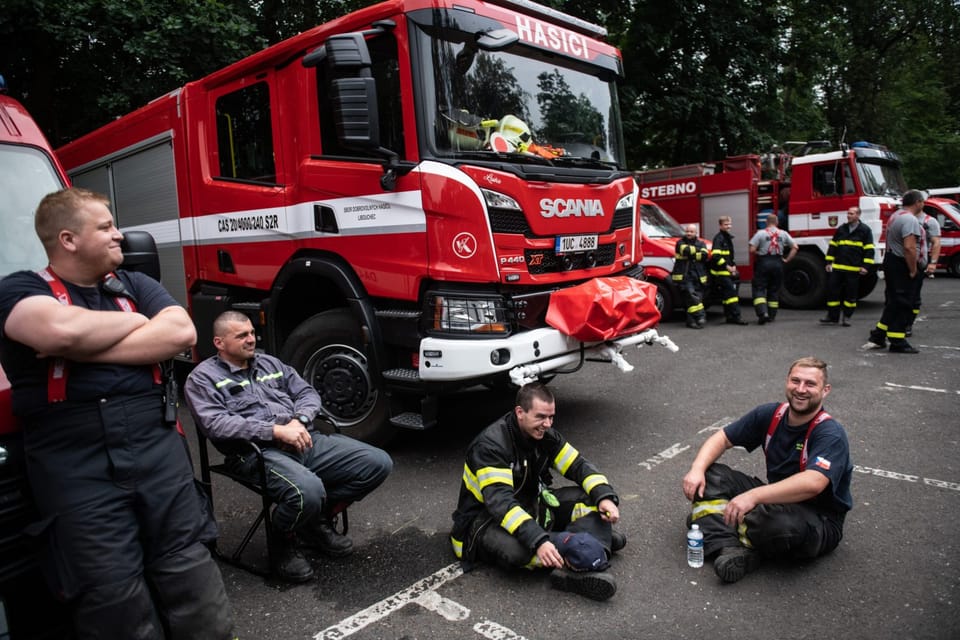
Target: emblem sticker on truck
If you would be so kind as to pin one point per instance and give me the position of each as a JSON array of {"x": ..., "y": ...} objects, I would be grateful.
[{"x": 464, "y": 245}]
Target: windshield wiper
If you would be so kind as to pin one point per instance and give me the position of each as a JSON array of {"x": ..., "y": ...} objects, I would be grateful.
[{"x": 578, "y": 161}]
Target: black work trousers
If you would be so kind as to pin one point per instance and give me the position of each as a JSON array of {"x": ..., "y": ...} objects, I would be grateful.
[
  {"x": 899, "y": 292},
  {"x": 497, "y": 546},
  {"x": 790, "y": 531},
  {"x": 767, "y": 280},
  {"x": 843, "y": 289},
  {"x": 123, "y": 522}
]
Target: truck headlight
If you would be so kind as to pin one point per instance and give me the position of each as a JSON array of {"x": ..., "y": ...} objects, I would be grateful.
[{"x": 469, "y": 315}]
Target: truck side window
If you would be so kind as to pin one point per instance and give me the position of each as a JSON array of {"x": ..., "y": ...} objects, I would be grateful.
[
  {"x": 386, "y": 74},
  {"x": 245, "y": 135}
]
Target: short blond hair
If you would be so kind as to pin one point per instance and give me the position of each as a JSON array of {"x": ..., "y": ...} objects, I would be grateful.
[
  {"x": 58, "y": 211},
  {"x": 723, "y": 219},
  {"x": 811, "y": 362}
]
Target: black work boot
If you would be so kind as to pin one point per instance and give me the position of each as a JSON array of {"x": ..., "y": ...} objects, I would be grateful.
[
  {"x": 735, "y": 562},
  {"x": 617, "y": 541},
  {"x": 320, "y": 534},
  {"x": 596, "y": 585},
  {"x": 289, "y": 564}
]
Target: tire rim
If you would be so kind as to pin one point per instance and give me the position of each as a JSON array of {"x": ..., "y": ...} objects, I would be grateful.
[
  {"x": 797, "y": 282},
  {"x": 340, "y": 375}
]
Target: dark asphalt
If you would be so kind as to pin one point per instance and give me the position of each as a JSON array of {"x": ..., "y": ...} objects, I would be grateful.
[{"x": 895, "y": 575}]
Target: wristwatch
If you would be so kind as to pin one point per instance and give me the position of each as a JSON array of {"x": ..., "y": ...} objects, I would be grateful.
[{"x": 307, "y": 422}]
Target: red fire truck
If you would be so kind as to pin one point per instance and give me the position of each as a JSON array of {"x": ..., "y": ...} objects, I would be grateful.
[
  {"x": 392, "y": 197},
  {"x": 28, "y": 171},
  {"x": 947, "y": 213},
  {"x": 810, "y": 189}
]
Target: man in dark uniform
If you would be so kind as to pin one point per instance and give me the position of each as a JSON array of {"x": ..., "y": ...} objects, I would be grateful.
[
  {"x": 723, "y": 271},
  {"x": 799, "y": 514},
  {"x": 849, "y": 257},
  {"x": 121, "y": 516},
  {"x": 768, "y": 246},
  {"x": 901, "y": 267},
  {"x": 508, "y": 515},
  {"x": 690, "y": 274}
]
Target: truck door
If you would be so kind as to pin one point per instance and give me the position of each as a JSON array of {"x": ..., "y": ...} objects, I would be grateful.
[{"x": 378, "y": 225}]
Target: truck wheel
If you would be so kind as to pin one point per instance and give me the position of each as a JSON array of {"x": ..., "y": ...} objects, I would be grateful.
[
  {"x": 327, "y": 350},
  {"x": 804, "y": 282},
  {"x": 664, "y": 300},
  {"x": 867, "y": 284},
  {"x": 953, "y": 267}
]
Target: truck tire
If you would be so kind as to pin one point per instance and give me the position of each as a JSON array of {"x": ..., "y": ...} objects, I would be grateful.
[
  {"x": 953, "y": 267},
  {"x": 867, "y": 284},
  {"x": 327, "y": 349},
  {"x": 664, "y": 300},
  {"x": 804, "y": 282}
]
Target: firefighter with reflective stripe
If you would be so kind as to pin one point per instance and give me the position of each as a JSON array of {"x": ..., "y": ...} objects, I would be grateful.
[
  {"x": 122, "y": 522},
  {"x": 799, "y": 513},
  {"x": 690, "y": 274},
  {"x": 723, "y": 271},
  {"x": 849, "y": 257},
  {"x": 508, "y": 515},
  {"x": 768, "y": 245}
]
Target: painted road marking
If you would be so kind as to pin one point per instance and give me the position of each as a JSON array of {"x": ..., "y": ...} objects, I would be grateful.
[
  {"x": 380, "y": 610},
  {"x": 914, "y": 387},
  {"x": 895, "y": 475},
  {"x": 495, "y": 631},
  {"x": 424, "y": 594}
]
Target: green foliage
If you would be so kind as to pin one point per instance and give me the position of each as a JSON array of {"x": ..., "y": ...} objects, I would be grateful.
[{"x": 703, "y": 79}]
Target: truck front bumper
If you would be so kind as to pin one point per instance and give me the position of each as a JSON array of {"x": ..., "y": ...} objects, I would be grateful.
[{"x": 524, "y": 356}]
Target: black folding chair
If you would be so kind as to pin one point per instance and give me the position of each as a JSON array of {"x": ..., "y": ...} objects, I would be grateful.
[{"x": 257, "y": 485}]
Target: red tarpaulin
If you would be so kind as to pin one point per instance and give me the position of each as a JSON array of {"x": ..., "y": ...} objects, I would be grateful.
[{"x": 604, "y": 308}]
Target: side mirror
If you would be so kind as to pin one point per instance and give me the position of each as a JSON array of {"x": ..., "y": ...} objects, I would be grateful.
[{"x": 140, "y": 253}]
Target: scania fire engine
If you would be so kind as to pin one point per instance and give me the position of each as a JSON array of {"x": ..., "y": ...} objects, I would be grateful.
[
  {"x": 393, "y": 197},
  {"x": 28, "y": 171},
  {"x": 810, "y": 189}
]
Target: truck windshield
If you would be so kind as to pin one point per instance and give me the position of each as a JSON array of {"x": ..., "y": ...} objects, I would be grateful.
[
  {"x": 517, "y": 101},
  {"x": 881, "y": 178},
  {"x": 657, "y": 223},
  {"x": 26, "y": 175}
]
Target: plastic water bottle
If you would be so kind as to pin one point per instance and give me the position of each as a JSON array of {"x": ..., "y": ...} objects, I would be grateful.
[{"x": 695, "y": 547}]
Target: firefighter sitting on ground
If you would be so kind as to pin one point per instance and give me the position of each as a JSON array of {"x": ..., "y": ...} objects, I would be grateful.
[
  {"x": 690, "y": 274},
  {"x": 507, "y": 514}
]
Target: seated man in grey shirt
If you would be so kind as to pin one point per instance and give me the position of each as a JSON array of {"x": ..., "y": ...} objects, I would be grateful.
[{"x": 240, "y": 395}]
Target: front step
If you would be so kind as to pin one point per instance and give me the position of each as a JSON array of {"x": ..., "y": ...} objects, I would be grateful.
[
  {"x": 401, "y": 375},
  {"x": 408, "y": 420}
]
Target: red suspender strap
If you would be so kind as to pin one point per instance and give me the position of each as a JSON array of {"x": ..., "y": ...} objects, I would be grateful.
[
  {"x": 57, "y": 372},
  {"x": 775, "y": 422}
]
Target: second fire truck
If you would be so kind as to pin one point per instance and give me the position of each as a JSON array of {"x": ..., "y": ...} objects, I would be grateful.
[{"x": 808, "y": 185}]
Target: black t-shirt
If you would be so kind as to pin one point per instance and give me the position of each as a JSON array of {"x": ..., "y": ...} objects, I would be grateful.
[
  {"x": 828, "y": 452},
  {"x": 28, "y": 374}
]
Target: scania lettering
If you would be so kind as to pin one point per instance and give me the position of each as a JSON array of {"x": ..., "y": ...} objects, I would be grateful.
[
  {"x": 564, "y": 208},
  {"x": 808, "y": 185},
  {"x": 383, "y": 195},
  {"x": 28, "y": 171}
]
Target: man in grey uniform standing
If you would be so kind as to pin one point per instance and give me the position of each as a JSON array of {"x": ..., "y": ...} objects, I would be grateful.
[{"x": 768, "y": 246}]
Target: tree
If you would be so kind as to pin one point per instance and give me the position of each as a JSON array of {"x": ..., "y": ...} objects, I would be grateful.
[{"x": 77, "y": 64}]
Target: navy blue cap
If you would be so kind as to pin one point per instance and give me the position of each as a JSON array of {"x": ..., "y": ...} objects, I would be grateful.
[{"x": 581, "y": 551}]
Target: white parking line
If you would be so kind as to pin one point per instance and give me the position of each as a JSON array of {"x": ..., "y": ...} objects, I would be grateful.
[
  {"x": 494, "y": 631},
  {"x": 413, "y": 593},
  {"x": 906, "y": 477},
  {"x": 913, "y": 387}
]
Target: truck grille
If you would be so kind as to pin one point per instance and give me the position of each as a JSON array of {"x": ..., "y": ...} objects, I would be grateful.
[
  {"x": 514, "y": 222},
  {"x": 541, "y": 261}
]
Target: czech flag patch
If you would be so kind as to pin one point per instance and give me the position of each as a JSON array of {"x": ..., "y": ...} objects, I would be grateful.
[{"x": 822, "y": 462}]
